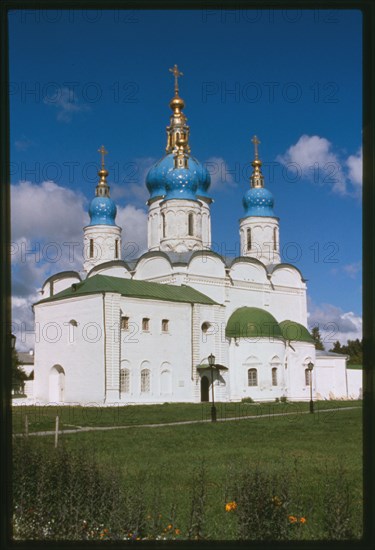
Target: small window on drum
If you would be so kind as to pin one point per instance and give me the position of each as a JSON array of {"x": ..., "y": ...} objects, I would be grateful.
[{"x": 205, "y": 326}]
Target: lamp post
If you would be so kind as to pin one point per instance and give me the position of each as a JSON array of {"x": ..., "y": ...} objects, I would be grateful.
[
  {"x": 310, "y": 366},
  {"x": 13, "y": 339},
  {"x": 211, "y": 362}
]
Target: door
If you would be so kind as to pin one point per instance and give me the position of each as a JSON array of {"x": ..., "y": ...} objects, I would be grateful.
[{"x": 205, "y": 386}]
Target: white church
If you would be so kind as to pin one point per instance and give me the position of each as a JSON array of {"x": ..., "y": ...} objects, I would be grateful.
[{"x": 142, "y": 331}]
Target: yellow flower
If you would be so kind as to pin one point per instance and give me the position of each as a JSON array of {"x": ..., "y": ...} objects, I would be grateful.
[
  {"x": 169, "y": 526},
  {"x": 302, "y": 520},
  {"x": 230, "y": 506},
  {"x": 276, "y": 501}
]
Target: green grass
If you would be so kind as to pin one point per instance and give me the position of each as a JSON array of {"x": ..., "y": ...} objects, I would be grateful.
[
  {"x": 42, "y": 418},
  {"x": 164, "y": 460}
]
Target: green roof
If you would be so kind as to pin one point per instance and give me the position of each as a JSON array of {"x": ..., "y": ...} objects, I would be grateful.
[
  {"x": 252, "y": 322},
  {"x": 296, "y": 332},
  {"x": 135, "y": 289}
]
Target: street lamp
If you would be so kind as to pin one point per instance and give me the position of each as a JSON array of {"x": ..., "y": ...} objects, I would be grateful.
[
  {"x": 13, "y": 339},
  {"x": 211, "y": 362},
  {"x": 310, "y": 367}
]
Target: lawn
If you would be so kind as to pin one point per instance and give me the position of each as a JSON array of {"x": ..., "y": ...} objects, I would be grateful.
[{"x": 162, "y": 462}]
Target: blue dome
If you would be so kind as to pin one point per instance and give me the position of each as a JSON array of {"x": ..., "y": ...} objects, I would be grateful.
[
  {"x": 102, "y": 211},
  {"x": 159, "y": 175},
  {"x": 258, "y": 201},
  {"x": 182, "y": 183}
]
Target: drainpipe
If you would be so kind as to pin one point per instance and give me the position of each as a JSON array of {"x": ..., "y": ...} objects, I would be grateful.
[{"x": 105, "y": 349}]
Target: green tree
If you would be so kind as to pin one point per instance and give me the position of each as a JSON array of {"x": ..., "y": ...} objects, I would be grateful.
[
  {"x": 315, "y": 333},
  {"x": 18, "y": 375}
]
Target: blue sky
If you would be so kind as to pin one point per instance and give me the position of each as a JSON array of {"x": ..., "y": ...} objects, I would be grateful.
[{"x": 293, "y": 78}]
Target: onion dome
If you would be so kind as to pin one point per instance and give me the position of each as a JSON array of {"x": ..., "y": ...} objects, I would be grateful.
[
  {"x": 102, "y": 209},
  {"x": 252, "y": 322},
  {"x": 194, "y": 181},
  {"x": 291, "y": 330},
  {"x": 258, "y": 201}
]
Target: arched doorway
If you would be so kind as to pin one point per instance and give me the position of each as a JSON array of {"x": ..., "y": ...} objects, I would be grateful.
[
  {"x": 205, "y": 386},
  {"x": 56, "y": 384}
]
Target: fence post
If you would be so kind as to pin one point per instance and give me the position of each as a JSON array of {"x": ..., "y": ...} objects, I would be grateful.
[{"x": 56, "y": 431}]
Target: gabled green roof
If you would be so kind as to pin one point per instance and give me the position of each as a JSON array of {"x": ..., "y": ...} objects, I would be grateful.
[
  {"x": 252, "y": 322},
  {"x": 295, "y": 332},
  {"x": 132, "y": 288}
]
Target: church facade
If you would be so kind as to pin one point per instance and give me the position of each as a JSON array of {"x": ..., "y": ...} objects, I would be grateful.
[{"x": 142, "y": 331}]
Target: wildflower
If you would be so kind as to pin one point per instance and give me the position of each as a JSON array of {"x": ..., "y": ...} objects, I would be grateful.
[
  {"x": 230, "y": 506},
  {"x": 292, "y": 519},
  {"x": 178, "y": 532},
  {"x": 276, "y": 501},
  {"x": 169, "y": 527},
  {"x": 302, "y": 520}
]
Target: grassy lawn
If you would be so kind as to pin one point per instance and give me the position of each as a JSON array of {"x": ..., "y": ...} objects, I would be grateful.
[
  {"x": 162, "y": 462},
  {"x": 42, "y": 418}
]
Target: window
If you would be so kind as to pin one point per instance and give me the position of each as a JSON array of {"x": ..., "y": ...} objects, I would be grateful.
[
  {"x": 124, "y": 380},
  {"x": 165, "y": 325},
  {"x": 190, "y": 225},
  {"x": 116, "y": 248},
  {"x": 163, "y": 225},
  {"x": 124, "y": 323},
  {"x": 145, "y": 324},
  {"x": 205, "y": 327},
  {"x": 274, "y": 238},
  {"x": 307, "y": 377},
  {"x": 252, "y": 377},
  {"x": 91, "y": 253},
  {"x": 274, "y": 376},
  {"x": 248, "y": 239},
  {"x": 145, "y": 380}
]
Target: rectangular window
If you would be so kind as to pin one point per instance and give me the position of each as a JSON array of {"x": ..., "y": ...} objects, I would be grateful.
[
  {"x": 274, "y": 376},
  {"x": 145, "y": 324},
  {"x": 252, "y": 377},
  {"x": 124, "y": 381},
  {"x": 124, "y": 323},
  {"x": 165, "y": 325},
  {"x": 91, "y": 254},
  {"x": 116, "y": 249},
  {"x": 145, "y": 381}
]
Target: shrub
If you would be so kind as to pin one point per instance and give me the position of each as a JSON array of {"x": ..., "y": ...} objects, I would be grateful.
[
  {"x": 247, "y": 400},
  {"x": 65, "y": 495}
]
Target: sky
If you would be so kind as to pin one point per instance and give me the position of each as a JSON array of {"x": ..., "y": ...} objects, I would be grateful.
[{"x": 80, "y": 79}]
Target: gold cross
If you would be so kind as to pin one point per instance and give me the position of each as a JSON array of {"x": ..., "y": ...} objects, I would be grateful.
[
  {"x": 256, "y": 142},
  {"x": 176, "y": 73},
  {"x": 103, "y": 152}
]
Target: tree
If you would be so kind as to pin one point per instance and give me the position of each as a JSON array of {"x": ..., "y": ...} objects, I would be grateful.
[
  {"x": 353, "y": 349},
  {"x": 18, "y": 375},
  {"x": 315, "y": 333}
]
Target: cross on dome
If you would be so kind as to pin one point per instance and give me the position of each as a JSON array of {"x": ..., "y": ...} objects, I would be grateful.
[
  {"x": 256, "y": 142},
  {"x": 176, "y": 73},
  {"x": 103, "y": 152}
]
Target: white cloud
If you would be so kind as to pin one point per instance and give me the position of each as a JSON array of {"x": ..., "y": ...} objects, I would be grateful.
[
  {"x": 134, "y": 231},
  {"x": 66, "y": 102},
  {"x": 221, "y": 174},
  {"x": 313, "y": 158},
  {"x": 23, "y": 143},
  {"x": 334, "y": 324},
  {"x": 354, "y": 164},
  {"x": 353, "y": 269}
]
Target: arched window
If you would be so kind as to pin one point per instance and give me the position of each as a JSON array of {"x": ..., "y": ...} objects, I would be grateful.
[
  {"x": 91, "y": 253},
  {"x": 190, "y": 225},
  {"x": 252, "y": 377},
  {"x": 248, "y": 238},
  {"x": 274, "y": 376},
  {"x": 163, "y": 228},
  {"x": 205, "y": 326},
  {"x": 145, "y": 381},
  {"x": 124, "y": 380},
  {"x": 274, "y": 238},
  {"x": 116, "y": 249}
]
